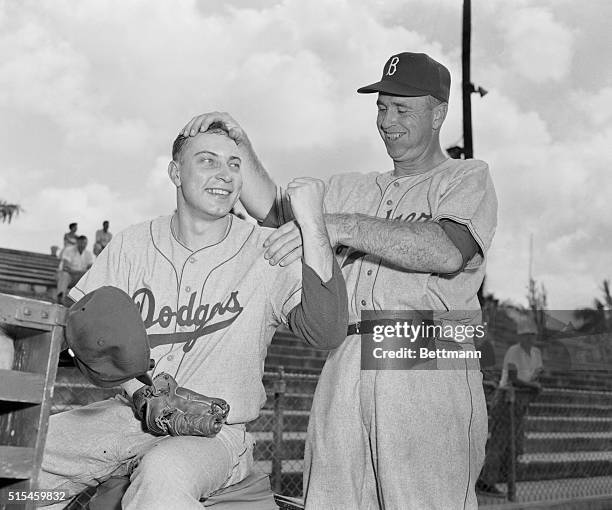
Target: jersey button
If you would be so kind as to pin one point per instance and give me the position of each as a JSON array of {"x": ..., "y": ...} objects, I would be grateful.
[
  {"x": 363, "y": 302},
  {"x": 396, "y": 184},
  {"x": 192, "y": 260},
  {"x": 170, "y": 358},
  {"x": 389, "y": 202},
  {"x": 187, "y": 289},
  {"x": 369, "y": 272}
]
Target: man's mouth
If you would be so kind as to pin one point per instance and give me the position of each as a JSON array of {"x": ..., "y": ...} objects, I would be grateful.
[
  {"x": 394, "y": 136},
  {"x": 218, "y": 191}
]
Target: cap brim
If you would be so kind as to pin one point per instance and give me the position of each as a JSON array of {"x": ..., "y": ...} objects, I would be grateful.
[
  {"x": 108, "y": 381},
  {"x": 394, "y": 88},
  {"x": 145, "y": 379}
]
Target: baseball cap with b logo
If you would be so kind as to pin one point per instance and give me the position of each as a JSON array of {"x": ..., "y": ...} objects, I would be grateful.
[
  {"x": 105, "y": 332},
  {"x": 412, "y": 75}
]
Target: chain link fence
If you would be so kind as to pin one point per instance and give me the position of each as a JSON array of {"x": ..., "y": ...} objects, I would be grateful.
[{"x": 552, "y": 444}]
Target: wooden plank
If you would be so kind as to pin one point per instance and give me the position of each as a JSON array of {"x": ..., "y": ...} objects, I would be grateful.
[
  {"x": 23, "y": 268},
  {"x": 23, "y": 387},
  {"x": 28, "y": 260},
  {"x": 16, "y": 462},
  {"x": 31, "y": 281},
  {"x": 56, "y": 339},
  {"x": 29, "y": 263}
]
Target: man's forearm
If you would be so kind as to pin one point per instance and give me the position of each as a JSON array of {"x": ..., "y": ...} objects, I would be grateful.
[
  {"x": 258, "y": 189},
  {"x": 418, "y": 246},
  {"x": 318, "y": 252}
]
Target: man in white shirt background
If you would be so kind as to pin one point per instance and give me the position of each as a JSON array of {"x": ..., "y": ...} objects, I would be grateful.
[
  {"x": 521, "y": 367},
  {"x": 74, "y": 263}
]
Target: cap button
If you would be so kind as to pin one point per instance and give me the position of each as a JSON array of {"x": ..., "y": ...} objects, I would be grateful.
[{"x": 100, "y": 342}]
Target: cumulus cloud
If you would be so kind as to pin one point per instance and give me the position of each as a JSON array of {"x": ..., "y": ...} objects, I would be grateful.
[
  {"x": 540, "y": 48},
  {"x": 93, "y": 93}
]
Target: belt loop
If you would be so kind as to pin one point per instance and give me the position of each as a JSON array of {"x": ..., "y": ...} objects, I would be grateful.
[{"x": 357, "y": 327}]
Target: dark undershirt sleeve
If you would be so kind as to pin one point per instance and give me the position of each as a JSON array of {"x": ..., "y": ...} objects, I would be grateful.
[
  {"x": 280, "y": 212},
  {"x": 460, "y": 236},
  {"x": 321, "y": 318}
]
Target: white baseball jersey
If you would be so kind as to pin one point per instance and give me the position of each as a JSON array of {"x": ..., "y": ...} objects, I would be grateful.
[
  {"x": 210, "y": 314},
  {"x": 458, "y": 190}
]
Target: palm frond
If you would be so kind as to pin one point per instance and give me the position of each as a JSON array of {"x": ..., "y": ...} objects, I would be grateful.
[{"x": 7, "y": 211}]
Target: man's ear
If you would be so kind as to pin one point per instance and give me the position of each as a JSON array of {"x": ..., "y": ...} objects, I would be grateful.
[
  {"x": 439, "y": 114},
  {"x": 174, "y": 173}
]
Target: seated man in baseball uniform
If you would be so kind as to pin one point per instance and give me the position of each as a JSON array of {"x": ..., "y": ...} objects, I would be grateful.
[{"x": 210, "y": 303}]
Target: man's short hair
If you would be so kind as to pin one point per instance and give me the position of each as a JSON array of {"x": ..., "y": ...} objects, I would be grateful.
[
  {"x": 72, "y": 225},
  {"x": 216, "y": 128},
  {"x": 82, "y": 238}
]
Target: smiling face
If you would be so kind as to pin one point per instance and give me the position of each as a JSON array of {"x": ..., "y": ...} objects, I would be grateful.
[
  {"x": 408, "y": 126},
  {"x": 206, "y": 172}
]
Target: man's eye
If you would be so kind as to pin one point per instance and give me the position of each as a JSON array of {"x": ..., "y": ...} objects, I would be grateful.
[
  {"x": 235, "y": 165},
  {"x": 381, "y": 108},
  {"x": 402, "y": 110}
]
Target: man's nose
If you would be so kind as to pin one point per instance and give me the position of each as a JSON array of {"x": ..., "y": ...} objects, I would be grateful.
[
  {"x": 224, "y": 173},
  {"x": 388, "y": 118}
]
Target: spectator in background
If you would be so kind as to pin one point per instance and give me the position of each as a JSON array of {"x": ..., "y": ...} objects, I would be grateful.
[
  {"x": 103, "y": 237},
  {"x": 70, "y": 237},
  {"x": 74, "y": 263},
  {"x": 521, "y": 367}
]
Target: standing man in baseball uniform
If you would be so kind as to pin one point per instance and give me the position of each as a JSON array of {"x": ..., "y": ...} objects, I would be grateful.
[
  {"x": 210, "y": 303},
  {"x": 413, "y": 238}
]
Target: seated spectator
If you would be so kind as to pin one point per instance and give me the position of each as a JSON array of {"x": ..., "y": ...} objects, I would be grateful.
[
  {"x": 74, "y": 263},
  {"x": 103, "y": 237},
  {"x": 70, "y": 237},
  {"x": 521, "y": 367}
]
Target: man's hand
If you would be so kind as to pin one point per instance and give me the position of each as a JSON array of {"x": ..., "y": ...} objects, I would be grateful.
[
  {"x": 306, "y": 196},
  {"x": 284, "y": 245},
  {"x": 258, "y": 189},
  {"x": 201, "y": 123}
]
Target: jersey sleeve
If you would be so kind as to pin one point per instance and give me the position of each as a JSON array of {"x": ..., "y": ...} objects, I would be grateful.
[
  {"x": 321, "y": 317},
  {"x": 285, "y": 289},
  {"x": 469, "y": 199},
  {"x": 110, "y": 268},
  {"x": 281, "y": 212}
]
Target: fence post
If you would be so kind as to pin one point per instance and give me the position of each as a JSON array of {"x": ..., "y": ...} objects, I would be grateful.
[
  {"x": 511, "y": 396},
  {"x": 280, "y": 386}
]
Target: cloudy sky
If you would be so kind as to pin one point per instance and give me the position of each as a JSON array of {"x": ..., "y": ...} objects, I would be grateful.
[{"x": 92, "y": 94}]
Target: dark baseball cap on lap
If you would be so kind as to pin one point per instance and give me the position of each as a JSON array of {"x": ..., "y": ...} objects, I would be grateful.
[
  {"x": 105, "y": 332},
  {"x": 412, "y": 75}
]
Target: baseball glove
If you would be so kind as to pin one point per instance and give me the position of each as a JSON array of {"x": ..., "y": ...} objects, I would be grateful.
[{"x": 167, "y": 409}]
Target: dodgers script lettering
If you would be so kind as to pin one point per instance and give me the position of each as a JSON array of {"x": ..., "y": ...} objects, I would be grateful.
[{"x": 187, "y": 315}]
